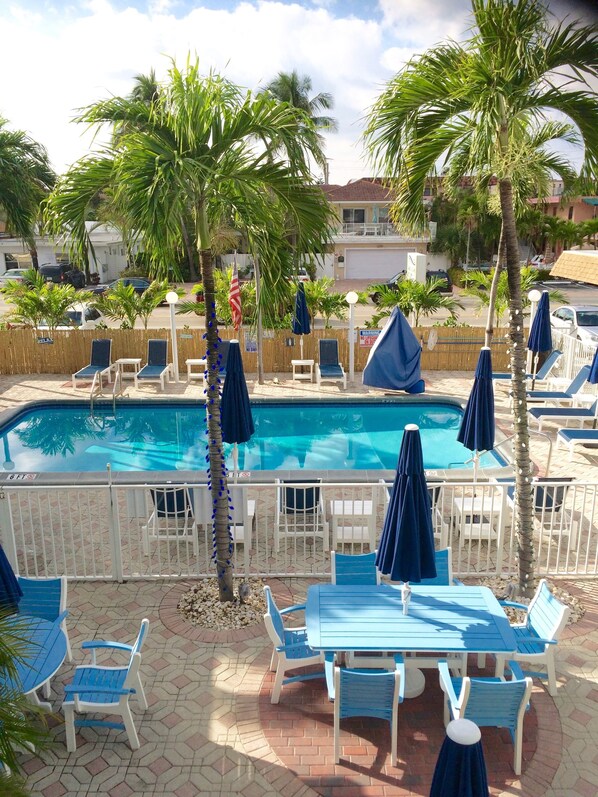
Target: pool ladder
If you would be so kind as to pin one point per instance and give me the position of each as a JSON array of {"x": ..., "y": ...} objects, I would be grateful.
[{"x": 117, "y": 389}]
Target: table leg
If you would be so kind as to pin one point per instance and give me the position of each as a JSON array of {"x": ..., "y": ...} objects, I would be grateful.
[
  {"x": 34, "y": 698},
  {"x": 415, "y": 681}
]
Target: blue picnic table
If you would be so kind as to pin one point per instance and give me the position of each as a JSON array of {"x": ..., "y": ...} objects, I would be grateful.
[
  {"x": 45, "y": 651},
  {"x": 370, "y": 618}
]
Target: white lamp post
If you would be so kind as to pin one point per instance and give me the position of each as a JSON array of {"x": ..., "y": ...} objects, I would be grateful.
[
  {"x": 534, "y": 296},
  {"x": 172, "y": 299},
  {"x": 351, "y": 299}
]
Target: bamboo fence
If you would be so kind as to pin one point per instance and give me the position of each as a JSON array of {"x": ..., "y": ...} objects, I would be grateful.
[{"x": 25, "y": 351}]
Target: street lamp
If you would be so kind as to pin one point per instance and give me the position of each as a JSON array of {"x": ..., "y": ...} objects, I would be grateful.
[
  {"x": 534, "y": 296},
  {"x": 172, "y": 298},
  {"x": 351, "y": 299}
]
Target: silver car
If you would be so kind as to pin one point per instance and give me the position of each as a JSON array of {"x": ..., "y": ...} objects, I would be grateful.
[
  {"x": 578, "y": 320},
  {"x": 16, "y": 274}
]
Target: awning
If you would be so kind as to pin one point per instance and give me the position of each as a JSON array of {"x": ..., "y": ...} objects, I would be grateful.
[{"x": 591, "y": 200}]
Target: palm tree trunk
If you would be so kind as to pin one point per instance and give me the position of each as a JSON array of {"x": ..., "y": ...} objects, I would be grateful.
[
  {"x": 523, "y": 515},
  {"x": 217, "y": 470},
  {"x": 494, "y": 288},
  {"x": 190, "y": 251},
  {"x": 260, "y": 331}
]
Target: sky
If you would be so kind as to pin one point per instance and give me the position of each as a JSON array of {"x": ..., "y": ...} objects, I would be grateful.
[{"x": 60, "y": 55}]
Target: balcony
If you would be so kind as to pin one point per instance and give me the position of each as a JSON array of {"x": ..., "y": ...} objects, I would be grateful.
[{"x": 385, "y": 229}]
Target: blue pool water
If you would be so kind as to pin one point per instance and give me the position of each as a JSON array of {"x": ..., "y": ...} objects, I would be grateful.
[{"x": 288, "y": 436}]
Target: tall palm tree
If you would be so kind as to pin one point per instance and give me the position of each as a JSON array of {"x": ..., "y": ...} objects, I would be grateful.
[
  {"x": 198, "y": 149},
  {"x": 510, "y": 68},
  {"x": 25, "y": 179}
]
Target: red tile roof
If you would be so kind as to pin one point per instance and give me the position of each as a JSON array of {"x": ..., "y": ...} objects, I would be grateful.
[{"x": 364, "y": 190}]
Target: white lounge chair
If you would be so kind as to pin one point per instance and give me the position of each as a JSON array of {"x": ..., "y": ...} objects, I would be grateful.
[
  {"x": 571, "y": 438},
  {"x": 100, "y": 363},
  {"x": 557, "y": 414},
  {"x": 157, "y": 369}
]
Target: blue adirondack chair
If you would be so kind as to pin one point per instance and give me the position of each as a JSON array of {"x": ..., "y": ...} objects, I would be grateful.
[
  {"x": 97, "y": 689},
  {"x": 538, "y": 636},
  {"x": 100, "y": 362},
  {"x": 489, "y": 702},
  {"x": 369, "y": 693},
  {"x": 329, "y": 368},
  {"x": 290, "y": 646}
]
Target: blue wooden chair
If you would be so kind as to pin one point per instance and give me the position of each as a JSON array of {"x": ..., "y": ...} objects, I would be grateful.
[
  {"x": 489, "y": 702},
  {"x": 444, "y": 571},
  {"x": 329, "y": 369},
  {"x": 98, "y": 689},
  {"x": 354, "y": 568},
  {"x": 157, "y": 368},
  {"x": 46, "y": 598},
  {"x": 369, "y": 693},
  {"x": 538, "y": 636},
  {"x": 290, "y": 646},
  {"x": 100, "y": 362}
]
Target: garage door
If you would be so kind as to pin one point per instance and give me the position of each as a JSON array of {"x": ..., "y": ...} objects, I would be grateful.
[{"x": 374, "y": 264}]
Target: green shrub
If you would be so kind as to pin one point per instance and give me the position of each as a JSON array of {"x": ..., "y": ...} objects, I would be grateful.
[{"x": 457, "y": 275}]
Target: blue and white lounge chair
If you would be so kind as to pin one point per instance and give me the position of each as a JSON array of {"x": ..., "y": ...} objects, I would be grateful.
[
  {"x": 571, "y": 438},
  {"x": 563, "y": 397},
  {"x": 157, "y": 369},
  {"x": 329, "y": 369},
  {"x": 543, "y": 372},
  {"x": 105, "y": 690},
  {"x": 100, "y": 363},
  {"x": 581, "y": 414}
]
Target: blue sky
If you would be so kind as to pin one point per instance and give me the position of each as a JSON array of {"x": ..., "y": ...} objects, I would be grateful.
[{"x": 58, "y": 55}]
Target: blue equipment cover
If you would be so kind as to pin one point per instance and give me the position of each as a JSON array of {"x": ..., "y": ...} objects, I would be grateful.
[{"x": 394, "y": 361}]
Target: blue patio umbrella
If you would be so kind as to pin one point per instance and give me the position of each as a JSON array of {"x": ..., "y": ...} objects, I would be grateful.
[
  {"x": 235, "y": 409},
  {"x": 460, "y": 769},
  {"x": 301, "y": 321},
  {"x": 406, "y": 548},
  {"x": 477, "y": 425},
  {"x": 593, "y": 375},
  {"x": 10, "y": 591},
  {"x": 540, "y": 334}
]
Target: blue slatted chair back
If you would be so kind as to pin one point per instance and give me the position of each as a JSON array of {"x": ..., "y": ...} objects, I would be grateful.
[
  {"x": 328, "y": 351},
  {"x": 100, "y": 352},
  {"x": 298, "y": 499},
  {"x": 42, "y": 597},
  {"x": 171, "y": 502},
  {"x": 354, "y": 568},
  {"x": 366, "y": 694},
  {"x": 577, "y": 383},
  {"x": 444, "y": 570},
  {"x": 548, "y": 364},
  {"x": 276, "y": 616},
  {"x": 545, "y": 613},
  {"x": 495, "y": 704},
  {"x": 157, "y": 352}
]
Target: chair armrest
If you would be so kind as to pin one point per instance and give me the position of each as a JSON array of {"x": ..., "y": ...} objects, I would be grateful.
[
  {"x": 514, "y": 605},
  {"x": 446, "y": 682},
  {"x": 517, "y": 673},
  {"x": 400, "y": 666},
  {"x": 537, "y": 639},
  {"x": 296, "y": 608},
  {"x": 62, "y": 616},
  {"x": 294, "y": 646},
  {"x": 103, "y": 690},
  {"x": 100, "y": 643}
]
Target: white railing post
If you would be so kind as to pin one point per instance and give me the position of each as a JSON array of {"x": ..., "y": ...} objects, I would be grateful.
[
  {"x": 7, "y": 532},
  {"x": 114, "y": 531}
]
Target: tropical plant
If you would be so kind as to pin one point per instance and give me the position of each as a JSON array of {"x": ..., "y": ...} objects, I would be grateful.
[
  {"x": 36, "y": 302},
  {"x": 122, "y": 303},
  {"x": 590, "y": 231},
  {"x": 203, "y": 147},
  {"x": 511, "y": 67},
  {"x": 414, "y": 298}
]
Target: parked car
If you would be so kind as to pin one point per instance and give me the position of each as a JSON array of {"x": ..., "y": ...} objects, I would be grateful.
[
  {"x": 80, "y": 316},
  {"x": 578, "y": 320},
  {"x": 15, "y": 274},
  {"x": 446, "y": 286},
  {"x": 62, "y": 273},
  {"x": 139, "y": 284},
  {"x": 300, "y": 275}
]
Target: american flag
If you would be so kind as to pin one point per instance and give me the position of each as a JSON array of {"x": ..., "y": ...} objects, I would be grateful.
[{"x": 234, "y": 298}]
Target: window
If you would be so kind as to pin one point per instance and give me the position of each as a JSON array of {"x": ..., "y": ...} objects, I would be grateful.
[
  {"x": 353, "y": 216},
  {"x": 383, "y": 216}
]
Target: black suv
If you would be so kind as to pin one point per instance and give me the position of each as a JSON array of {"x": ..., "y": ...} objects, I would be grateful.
[
  {"x": 62, "y": 273},
  {"x": 444, "y": 287}
]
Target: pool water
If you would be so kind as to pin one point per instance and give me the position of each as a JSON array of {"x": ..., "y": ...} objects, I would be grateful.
[{"x": 288, "y": 436}]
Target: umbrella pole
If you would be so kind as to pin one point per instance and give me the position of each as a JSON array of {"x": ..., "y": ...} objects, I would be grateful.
[
  {"x": 534, "y": 369},
  {"x": 301, "y": 345},
  {"x": 476, "y": 464}
]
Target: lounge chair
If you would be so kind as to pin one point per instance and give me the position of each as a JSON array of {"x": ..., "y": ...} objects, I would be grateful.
[
  {"x": 562, "y": 397},
  {"x": 100, "y": 362},
  {"x": 329, "y": 369},
  {"x": 157, "y": 369},
  {"x": 542, "y": 373},
  {"x": 550, "y": 513},
  {"x": 300, "y": 512},
  {"x": 581, "y": 414},
  {"x": 172, "y": 519},
  {"x": 571, "y": 438},
  {"x": 353, "y": 520}
]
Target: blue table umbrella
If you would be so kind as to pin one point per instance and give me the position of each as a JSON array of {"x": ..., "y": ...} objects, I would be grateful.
[
  {"x": 10, "y": 591},
  {"x": 406, "y": 548},
  {"x": 477, "y": 425},
  {"x": 460, "y": 769},
  {"x": 301, "y": 321},
  {"x": 235, "y": 409},
  {"x": 540, "y": 334}
]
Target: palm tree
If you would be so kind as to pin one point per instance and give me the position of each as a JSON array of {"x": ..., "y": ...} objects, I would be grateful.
[
  {"x": 25, "y": 180},
  {"x": 417, "y": 298},
  {"x": 510, "y": 68},
  {"x": 590, "y": 231},
  {"x": 197, "y": 150},
  {"x": 122, "y": 303},
  {"x": 37, "y": 302}
]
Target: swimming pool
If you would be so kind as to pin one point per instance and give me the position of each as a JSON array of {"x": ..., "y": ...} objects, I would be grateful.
[{"x": 317, "y": 435}]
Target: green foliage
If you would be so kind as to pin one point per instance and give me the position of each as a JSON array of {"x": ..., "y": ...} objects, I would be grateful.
[
  {"x": 411, "y": 297},
  {"x": 457, "y": 275},
  {"x": 37, "y": 302},
  {"x": 123, "y": 304}
]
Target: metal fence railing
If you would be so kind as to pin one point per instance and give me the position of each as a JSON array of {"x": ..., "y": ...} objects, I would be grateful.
[{"x": 165, "y": 531}]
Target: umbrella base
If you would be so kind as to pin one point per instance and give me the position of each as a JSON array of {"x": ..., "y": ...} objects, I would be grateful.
[{"x": 415, "y": 681}]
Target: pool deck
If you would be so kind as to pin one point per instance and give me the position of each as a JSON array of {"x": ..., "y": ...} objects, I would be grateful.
[{"x": 210, "y": 728}]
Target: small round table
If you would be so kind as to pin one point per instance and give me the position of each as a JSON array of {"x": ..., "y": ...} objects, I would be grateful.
[{"x": 43, "y": 659}]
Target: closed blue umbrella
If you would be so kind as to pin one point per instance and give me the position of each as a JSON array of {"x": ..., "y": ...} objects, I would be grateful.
[
  {"x": 235, "y": 409},
  {"x": 477, "y": 425},
  {"x": 593, "y": 375},
  {"x": 460, "y": 769},
  {"x": 10, "y": 591},
  {"x": 394, "y": 361},
  {"x": 540, "y": 334},
  {"x": 406, "y": 548},
  {"x": 301, "y": 321}
]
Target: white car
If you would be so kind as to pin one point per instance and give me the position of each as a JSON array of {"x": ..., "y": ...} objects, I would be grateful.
[
  {"x": 578, "y": 320},
  {"x": 80, "y": 316},
  {"x": 16, "y": 274}
]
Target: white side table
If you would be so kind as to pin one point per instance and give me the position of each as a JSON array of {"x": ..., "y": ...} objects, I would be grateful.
[
  {"x": 200, "y": 374},
  {"x": 308, "y": 376},
  {"x": 128, "y": 362}
]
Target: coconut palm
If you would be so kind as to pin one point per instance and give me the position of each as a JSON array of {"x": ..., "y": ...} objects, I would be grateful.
[
  {"x": 197, "y": 149},
  {"x": 122, "y": 303},
  {"x": 510, "y": 67},
  {"x": 414, "y": 298},
  {"x": 296, "y": 89}
]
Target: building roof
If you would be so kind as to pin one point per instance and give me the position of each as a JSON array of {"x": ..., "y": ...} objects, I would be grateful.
[
  {"x": 364, "y": 190},
  {"x": 581, "y": 265}
]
